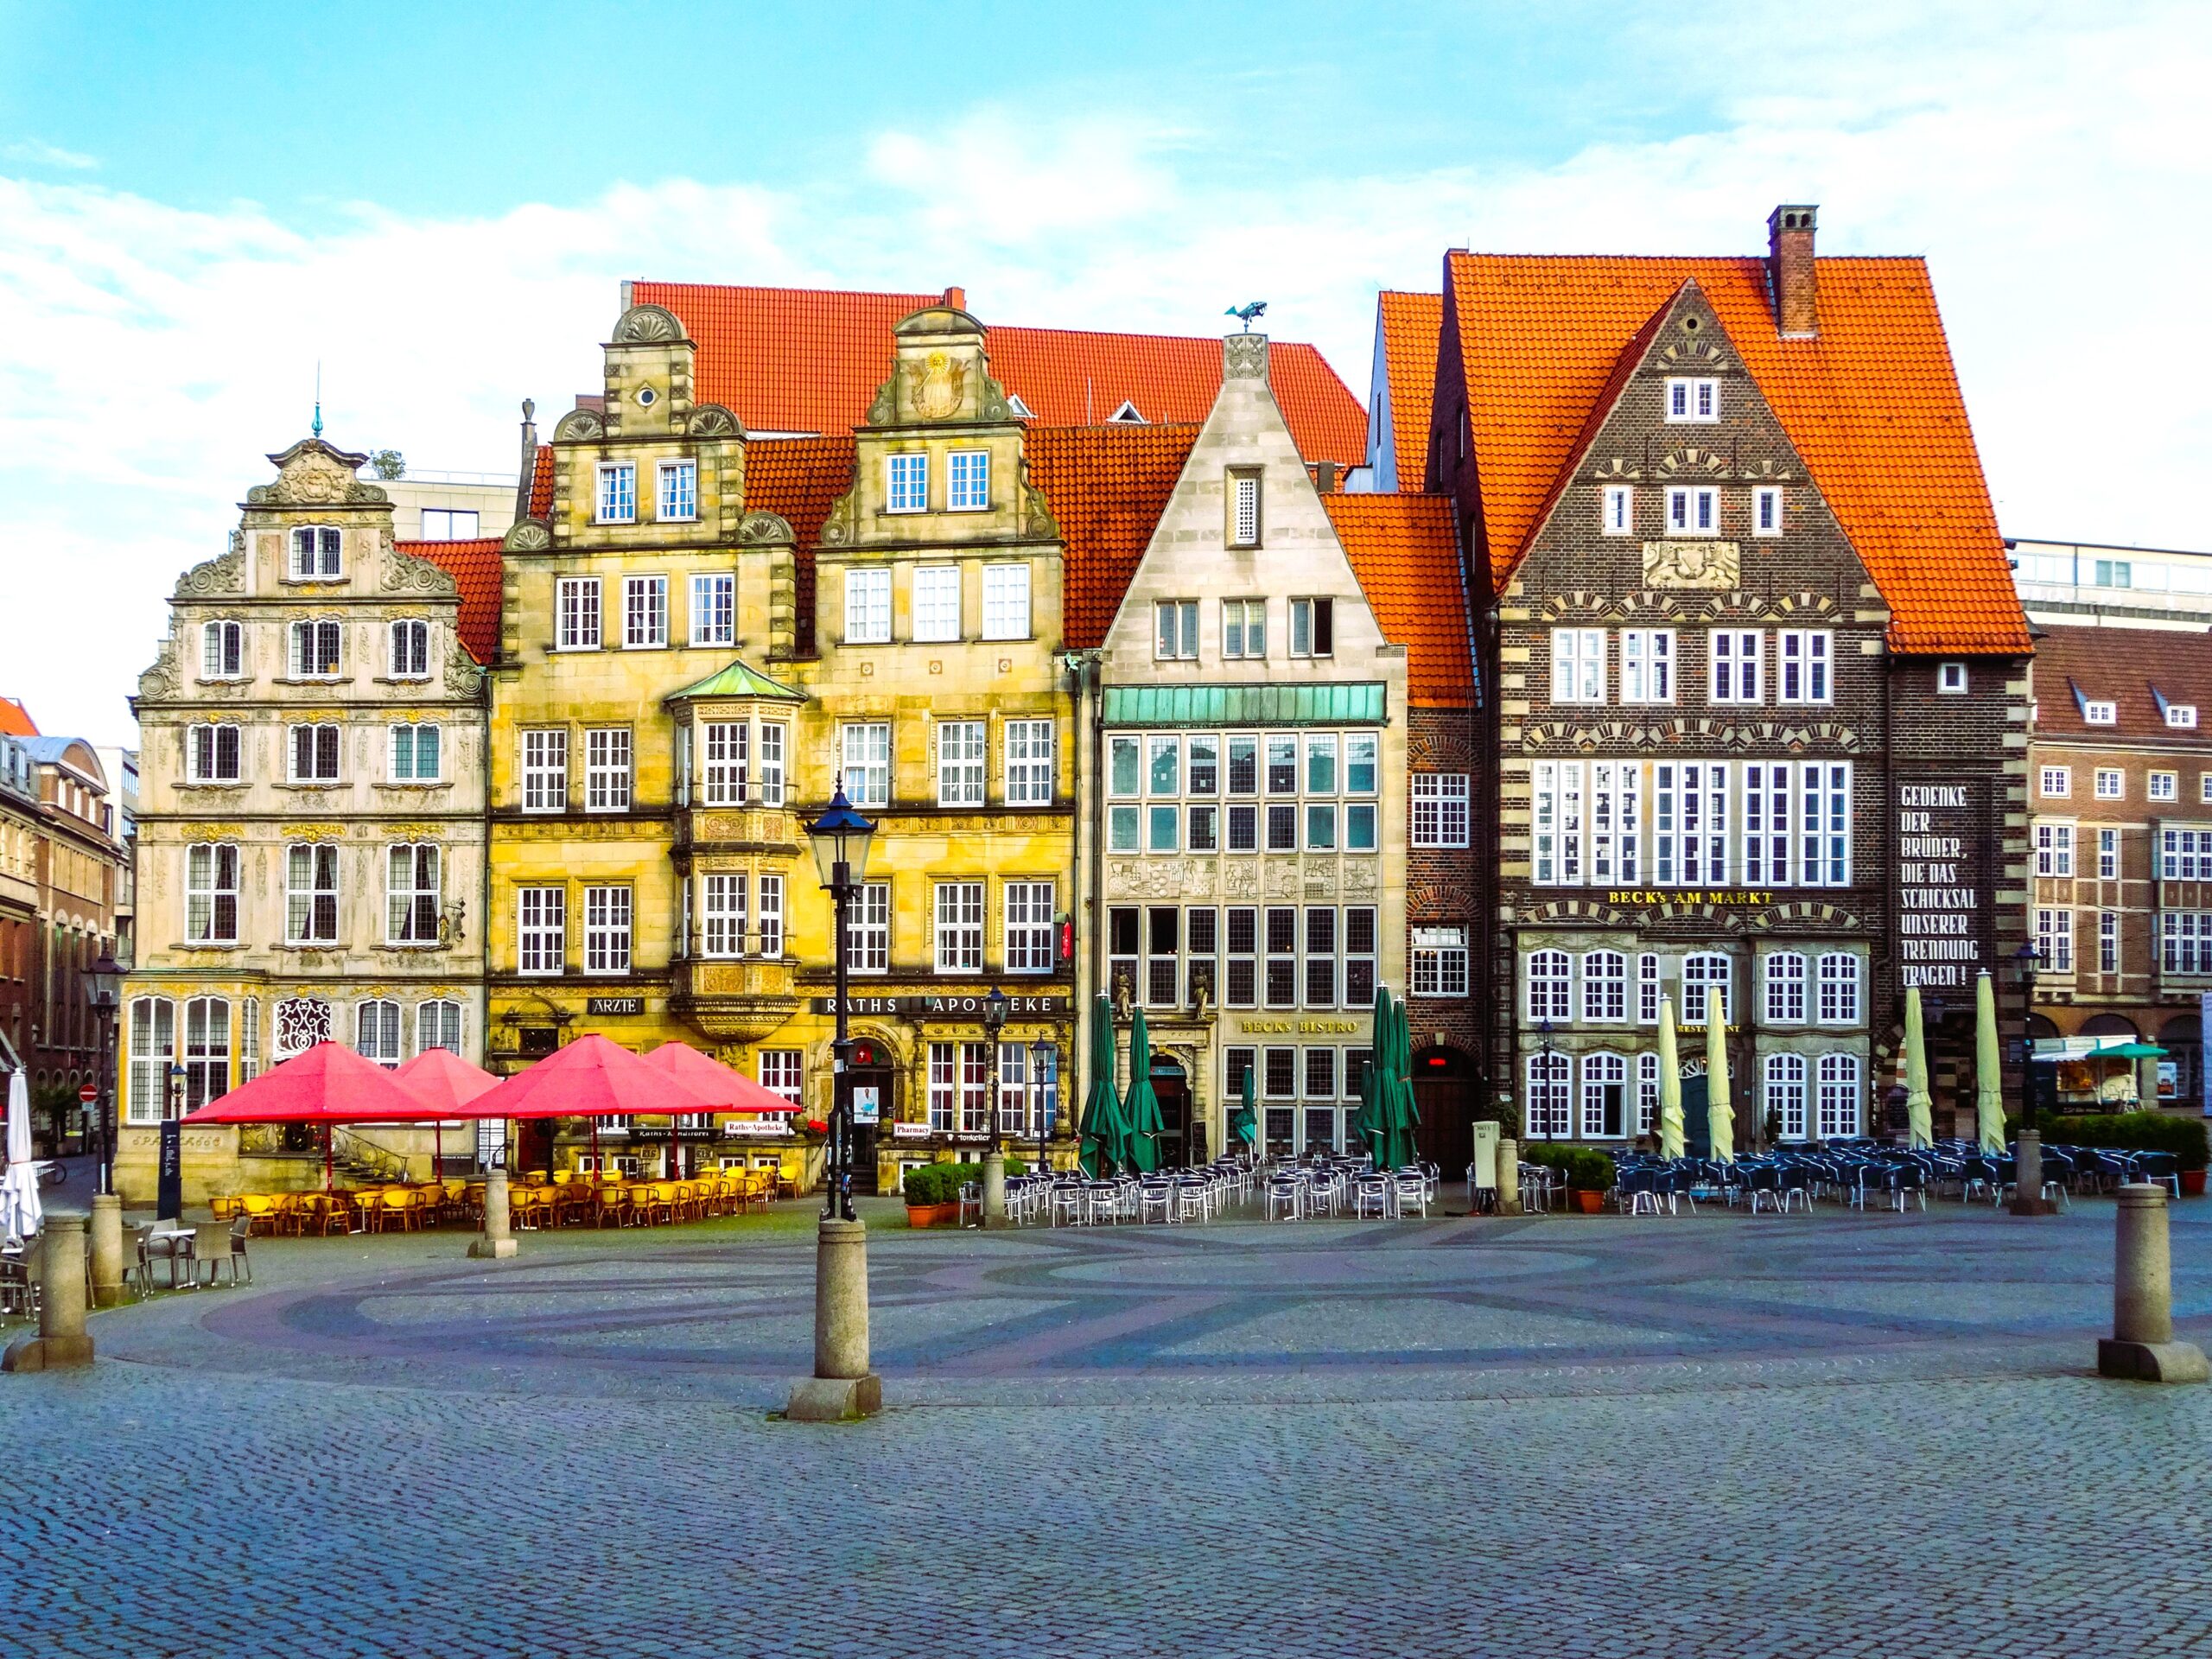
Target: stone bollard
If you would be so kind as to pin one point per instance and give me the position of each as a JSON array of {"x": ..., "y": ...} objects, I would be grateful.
[
  {"x": 994, "y": 1188},
  {"x": 2027, "y": 1176},
  {"x": 842, "y": 1387},
  {"x": 1509, "y": 1177},
  {"x": 497, "y": 1241},
  {"x": 61, "y": 1340},
  {"x": 2142, "y": 1344},
  {"x": 107, "y": 1249}
]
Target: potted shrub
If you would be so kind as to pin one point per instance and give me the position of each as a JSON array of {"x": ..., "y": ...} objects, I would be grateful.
[
  {"x": 933, "y": 1196},
  {"x": 1589, "y": 1177}
]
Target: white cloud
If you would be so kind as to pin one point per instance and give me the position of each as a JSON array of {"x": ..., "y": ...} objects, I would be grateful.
[
  {"x": 40, "y": 154},
  {"x": 149, "y": 356}
]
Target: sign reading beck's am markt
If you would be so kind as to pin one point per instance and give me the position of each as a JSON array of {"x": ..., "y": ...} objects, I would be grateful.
[{"x": 1941, "y": 924}]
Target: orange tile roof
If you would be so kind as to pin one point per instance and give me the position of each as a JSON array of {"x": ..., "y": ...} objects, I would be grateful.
[
  {"x": 2123, "y": 666},
  {"x": 1106, "y": 486},
  {"x": 541, "y": 482},
  {"x": 797, "y": 359},
  {"x": 16, "y": 720},
  {"x": 1872, "y": 405},
  {"x": 475, "y": 569},
  {"x": 1410, "y": 324},
  {"x": 800, "y": 480},
  {"x": 1405, "y": 553}
]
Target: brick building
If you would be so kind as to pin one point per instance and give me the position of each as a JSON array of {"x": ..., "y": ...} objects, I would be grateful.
[
  {"x": 2120, "y": 788},
  {"x": 1759, "y": 674}
]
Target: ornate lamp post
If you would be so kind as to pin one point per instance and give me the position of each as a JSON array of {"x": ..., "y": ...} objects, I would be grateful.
[
  {"x": 1042, "y": 1054},
  {"x": 994, "y": 1155},
  {"x": 2027, "y": 1146},
  {"x": 103, "y": 990},
  {"x": 842, "y": 1386}
]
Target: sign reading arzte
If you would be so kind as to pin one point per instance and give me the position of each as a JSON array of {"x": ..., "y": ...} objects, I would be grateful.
[
  {"x": 1940, "y": 921},
  {"x": 604, "y": 1005},
  {"x": 943, "y": 1007}
]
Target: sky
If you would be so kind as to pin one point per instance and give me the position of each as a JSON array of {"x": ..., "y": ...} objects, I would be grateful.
[{"x": 437, "y": 203}]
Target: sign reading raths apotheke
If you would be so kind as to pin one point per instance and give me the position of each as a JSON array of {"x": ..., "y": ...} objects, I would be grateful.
[
  {"x": 1942, "y": 923},
  {"x": 1029, "y": 1007}
]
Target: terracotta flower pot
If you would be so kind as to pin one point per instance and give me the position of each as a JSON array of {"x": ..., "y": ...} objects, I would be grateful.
[
  {"x": 1591, "y": 1203},
  {"x": 933, "y": 1215},
  {"x": 2192, "y": 1183}
]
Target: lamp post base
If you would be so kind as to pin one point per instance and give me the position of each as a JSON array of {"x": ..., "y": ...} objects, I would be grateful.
[
  {"x": 994, "y": 1188},
  {"x": 2152, "y": 1362}
]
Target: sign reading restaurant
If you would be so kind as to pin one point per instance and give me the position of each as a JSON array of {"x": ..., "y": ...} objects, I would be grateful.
[
  {"x": 1940, "y": 924},
  {"x": 945, "y": 1008}
]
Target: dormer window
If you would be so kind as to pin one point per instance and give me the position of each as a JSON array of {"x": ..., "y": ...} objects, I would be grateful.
[
  {"x": 1693, "y": 400},
  {"x": 907, "y": 483},
  {"x": 315, "y": 554},
  {"x": 2096, "y": 713},
  {"x": 1128, "y": 415},
  {"x": 1019, "y": 410},
  {"x": 1951, "y": 679},
  {"x": 2182, "y": 717}
]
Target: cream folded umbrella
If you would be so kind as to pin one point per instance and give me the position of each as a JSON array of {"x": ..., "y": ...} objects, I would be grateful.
[
  {"x": 1719, "y": 1115},
  {"x": 1670, "y": 1084},
  {"x": 21, "y": 1213},
  {"x": 1988, "y": 1081},
  {"x": 1919, "y": 1129}
]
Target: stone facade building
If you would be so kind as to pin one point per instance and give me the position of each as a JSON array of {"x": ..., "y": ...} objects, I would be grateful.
[
  {"x": 310, "y": 825},
  {"x": 1760, "y": 676}
]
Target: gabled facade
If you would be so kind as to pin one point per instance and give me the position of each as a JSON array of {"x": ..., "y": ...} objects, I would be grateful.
[
  {"x": 1760, "y": 678},
  {"x": 701, "y": 634},
  {"x": 1246, "y": 790},
  {"x": 310, "y": 823}
]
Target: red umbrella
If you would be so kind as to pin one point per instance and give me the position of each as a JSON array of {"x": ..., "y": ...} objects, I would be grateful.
[
  {"x": 590, "y": 1078},
  {"x": 443, "y": 1078},
  {"x": 730, "y": 1089},
  {"x": 327, "y": 1084}
]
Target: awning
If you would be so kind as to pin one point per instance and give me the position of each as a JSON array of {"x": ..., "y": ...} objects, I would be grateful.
[{"x": 2053, "y": 1050}]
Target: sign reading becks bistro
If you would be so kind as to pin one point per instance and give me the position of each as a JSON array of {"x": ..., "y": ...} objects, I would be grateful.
[{"x": 1943, "y": 925}]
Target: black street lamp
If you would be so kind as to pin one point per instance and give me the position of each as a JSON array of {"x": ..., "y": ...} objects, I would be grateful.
[
  {"x": 840, "y": 838},
  {"x": 994, "y": 1007},
  {"x": 2027, "y": 1145},
  {"x": 103, "y": 990},
  {"x": 1042, "y": 1054}
]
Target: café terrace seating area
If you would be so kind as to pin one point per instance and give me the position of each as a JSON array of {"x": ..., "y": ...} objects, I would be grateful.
[{"x": 536, "y": 1199}]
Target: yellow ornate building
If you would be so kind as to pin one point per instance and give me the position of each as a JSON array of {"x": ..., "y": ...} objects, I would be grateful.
[{"x": 701, "y": 634}]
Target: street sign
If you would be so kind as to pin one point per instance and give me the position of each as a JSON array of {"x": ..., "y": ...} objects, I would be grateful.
[{"x": 88, "y": 1095}]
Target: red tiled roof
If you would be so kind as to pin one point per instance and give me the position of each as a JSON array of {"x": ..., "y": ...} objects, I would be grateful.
[
  {"x": 795, "y": 360},
  {"x": 800, "y": 479},
  {"x": 16, "y": 720},
  {"x": 474, "y": 567},
  {"x": 1872, "y": 405},
  {"x": 1409, "y": 324},
  {"x": 1106, "y": 486},
  {"x": 1405, "y": 553},
  {"x": 2130, "y": 668},
  {"x": 541, "y": 482}
]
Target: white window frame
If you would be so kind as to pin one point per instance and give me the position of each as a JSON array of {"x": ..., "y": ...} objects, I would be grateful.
[
  {"x": 2055, "y": 938},
  {"x": 956, "y": 918},
  {"x": 608, "y": 756},
  {"x": 311, "y": 892},
  {"x": 439, "y": 1023},
  {"x": 576, "y": 613},
  {"x": 1175, "y": 630},
  {"x": 1705, "y": 972},
  {"x": 1648, "y": 665},
  {"x": 1440, "y": 808},
  {"x": 1616, "y": 813},
  {"x": 541, "y": 931},
  {"x": 1007, "y": 612},
  {"x": 1310, "y": 619},
  {"x": 968, "y": 481},
  {"x": 1783, "y": 1090},
  {"x": 962, "y": 761},
  {"x": 783, "y": 1071},
  {"x": 615, "y": 499},
  {"x": 1244, "y": 629},
  {"x": 1806, "y": 656},
  {"x": 2162, "y": 786},
  {"x": 2057, "y": 783},
  {"x": 1616, "y": 511},
  {"x": 725, "y": 751},
  {"x": 203, "y": 756},
  {"x": 1578, "y": 665},
  {"x": 314, "y": 773},
  {"x": 1605, "y": 988},
  {"x": 2107, "y": 941},
  {"x": 645, "y": 613},
  {"x": 413, "y": 892},
  {"x": 906, "y": 482},
  {"x": 934, "y": 604},
  {"x": 211, "y": 893},
  {"x": 376, "y": 1032},
  {"x": 1439, "y": 961},
  {"x": 318, "y": 649},
  {"x": 404, "y": 753},
  {"x": 2181, "y": 717},
  {"x": 723, "y": 910},
  {"x": 675, "y": 493},
  {"x": 1247, "y": 520},
  {"x": 1557, "y": 805},
  {"x": 1693, "y": 510},
  {"x": 1692, "y": 400},
  {"x": 609, "y": 910},
  {"x": 864, "y": 762},
  {"x": 869, "y": 928},
  {"x": 1031, "y": 911},
  {"x": 2100, "y": 711},
  {"x": 2108, "y": 783},
  {"x": 2054, "y": 848},
  {"x": 1842, "y": 1097},
  {"x": 315, "y": 553},
  {"x": 1031, "y": 746},
  {"x": 1736, "y": 666},
  {"x": 407, "y": 649},
  {"x": 768, "y": 923},
  {"x": 1550, "y": 980},
  {"x": 222, "y": 650},
  {"x": 868, "y": 606},
  {"x": 1783, "y": 974},
  {"x": 2108, "y": 853},
  {"x": 546, "y": 769},
  {"x": 1951, "y": 679},
  {"x": 1766, "y": 510},
  {"x": 1842, "y": 979},
  {"x": 712, "y": 619}
]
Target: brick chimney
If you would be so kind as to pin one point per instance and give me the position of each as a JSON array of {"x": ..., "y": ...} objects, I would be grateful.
[
  {"x": 956, "y": 298},
  {"x": 1790, "y": 269}
]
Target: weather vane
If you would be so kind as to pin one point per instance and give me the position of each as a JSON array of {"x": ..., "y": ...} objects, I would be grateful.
[{"x": 1245, "y": 313}]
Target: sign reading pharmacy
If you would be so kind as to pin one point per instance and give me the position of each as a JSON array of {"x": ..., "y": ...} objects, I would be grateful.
[
  {"x": 945, "y": 1008},
  {"x": 1943, "y": 923}
]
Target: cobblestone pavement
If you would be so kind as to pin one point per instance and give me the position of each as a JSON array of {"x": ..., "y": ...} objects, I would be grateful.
[{"x": 1822, "y": 1435}]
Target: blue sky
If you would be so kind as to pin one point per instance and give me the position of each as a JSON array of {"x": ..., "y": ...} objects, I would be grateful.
[{"x": 197, "y": 205}]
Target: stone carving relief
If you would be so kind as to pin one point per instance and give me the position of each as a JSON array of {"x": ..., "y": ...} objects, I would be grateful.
[
  {"x": 1244, "y": 357},
  {"x": 403, "y": 573},
  {"x": 1240, "y": 878},
  {"x": 224, "y": 574},
  {"x": 528, "y": 535},
  {"x": 161, "y": 680},
  {"x": 1282, "y": 880},
  {"x": 1320, "y": 877},
  {"x": 579, "y": 423},
  {"x": 1691, "y": 564},
  {"x": 647, "y": 325},
  {"x": 312, "y": 473},
  {"x": 1361, "y": 875},
  {"x": 941, "y": 389},
  {"x": 1199, "y": 877},
  {"x": 713, "y": 421},
  {"x": 758, "y": 527},
  {"x": 461, "y": 675}
]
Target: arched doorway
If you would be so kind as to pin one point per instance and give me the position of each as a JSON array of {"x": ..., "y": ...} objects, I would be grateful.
[
  {"x": 2111, "y": 1028},
  {"x": 1172, "y": 1086},
  {"x": 875, "y": 1103},
  {"x": 1444, "y": 1089}
]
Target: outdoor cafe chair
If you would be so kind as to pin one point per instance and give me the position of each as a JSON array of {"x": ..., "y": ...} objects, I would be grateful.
[
  {"x": 1370, "y": 1194},
  {"x": 1102, "y": 1201},
  {"x": 1796, "y": 1185},
  {"x": 1408, "y": 1186},
  {"x": 1636, "y": 1192},
  {"x": 2160, "y": 1169},
  {"x": 1286, "y": 1197},
  {"x": 1155, "y": 1195},
  {"x": 1908, "y": 1179},
  {"x": 1067, "y": 1204},
  {"x": 1193, "y": 1200},
  {"x": 610, "y": 1205}
]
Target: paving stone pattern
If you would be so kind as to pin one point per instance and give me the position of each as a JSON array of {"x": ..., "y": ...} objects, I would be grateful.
[{"x": 1833, "y": 1435}]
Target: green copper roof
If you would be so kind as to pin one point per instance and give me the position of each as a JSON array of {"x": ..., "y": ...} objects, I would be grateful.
[
  {"x": 1360, "y": 705},
  {"x": 738, "y": 680}
]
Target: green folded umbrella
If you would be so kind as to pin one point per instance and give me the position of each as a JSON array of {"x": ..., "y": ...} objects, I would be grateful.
[
  {"x": 1400, "y": 1113},
  {"x": 1140, "y": 1119},
  {"x": 1244, "y": 1121},
  {"x": 1367, "y": 1123},
  {"x": 1103, "y": 1136}
]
